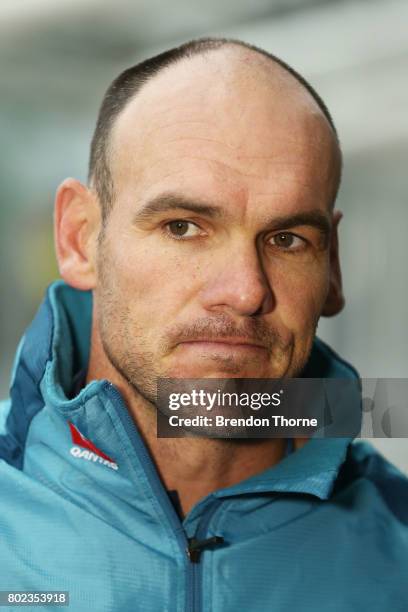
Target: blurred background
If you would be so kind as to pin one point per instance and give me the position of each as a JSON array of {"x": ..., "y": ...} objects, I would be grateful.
[{"x": 56, "y": 61}]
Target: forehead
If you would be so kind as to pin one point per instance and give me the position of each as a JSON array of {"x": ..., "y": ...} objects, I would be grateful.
[{"x": 225, "y": 120}]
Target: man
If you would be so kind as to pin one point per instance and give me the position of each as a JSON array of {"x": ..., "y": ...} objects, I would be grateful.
[{"x": 205, "y": 245}]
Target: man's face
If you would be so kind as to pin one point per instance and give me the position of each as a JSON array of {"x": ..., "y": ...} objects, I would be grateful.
[{"x": 215, "y": 257}]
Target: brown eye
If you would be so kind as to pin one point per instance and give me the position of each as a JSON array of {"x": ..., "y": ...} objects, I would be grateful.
[
  {"x": 178, "y": 228},
  {"x": 284, "y": 240},
  {"x": 287, "y": 241},
  {"x": 181, "y": 229}
]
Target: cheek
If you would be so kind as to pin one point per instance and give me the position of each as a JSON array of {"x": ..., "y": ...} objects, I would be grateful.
[
  {"x": 300, "y": 292},
  {"x": 155, "y": 282}
]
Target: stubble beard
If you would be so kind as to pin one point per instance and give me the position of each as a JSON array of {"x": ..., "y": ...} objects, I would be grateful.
[{"x": 124, "y": 342}]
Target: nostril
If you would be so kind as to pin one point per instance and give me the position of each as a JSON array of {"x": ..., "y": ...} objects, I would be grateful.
[{"x": 258, "y": 312}]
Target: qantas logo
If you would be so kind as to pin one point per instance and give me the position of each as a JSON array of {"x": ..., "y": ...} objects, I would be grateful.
[{"x": 85, "y": 449}]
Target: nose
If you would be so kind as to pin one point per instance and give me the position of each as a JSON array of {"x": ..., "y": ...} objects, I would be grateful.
[{"x": 237, "y": 283}]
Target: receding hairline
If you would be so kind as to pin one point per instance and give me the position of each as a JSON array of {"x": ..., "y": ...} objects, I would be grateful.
[
  {"x": 139, "y": 76},
  {"x": 239, "y": 52}
]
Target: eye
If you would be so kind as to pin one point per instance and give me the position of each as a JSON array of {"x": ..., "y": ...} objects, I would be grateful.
[
  {"x": 181, "y": 229},
  {"x": 288, "y": 241}
]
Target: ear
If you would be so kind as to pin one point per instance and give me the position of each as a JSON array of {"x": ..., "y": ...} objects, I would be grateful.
[
  {"x": 76, "y": 223},
  {"x": 335, "y": 299}
]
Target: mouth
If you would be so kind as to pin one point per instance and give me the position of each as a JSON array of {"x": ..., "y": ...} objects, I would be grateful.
[{"x": 223, "y": 344}]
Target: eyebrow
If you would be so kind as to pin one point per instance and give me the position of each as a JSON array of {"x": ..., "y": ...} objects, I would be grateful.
[
  {"x": 173, "y": 201},
  {"x": 313, "y": 218}
]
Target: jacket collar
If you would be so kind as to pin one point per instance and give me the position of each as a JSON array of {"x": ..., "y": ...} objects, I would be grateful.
[{"x": 311, "y": 469}]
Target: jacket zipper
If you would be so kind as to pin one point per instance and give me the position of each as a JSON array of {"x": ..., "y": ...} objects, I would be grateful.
[
  {"x": 196, "y": 566},
  {"x": 194, "y": 569}
]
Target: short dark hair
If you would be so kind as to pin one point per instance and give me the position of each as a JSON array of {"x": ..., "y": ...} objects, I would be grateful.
[{"x": 130, "y": 81}]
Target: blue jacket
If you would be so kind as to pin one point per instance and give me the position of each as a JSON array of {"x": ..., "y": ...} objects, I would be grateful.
[{"x": 83, "y": 509}]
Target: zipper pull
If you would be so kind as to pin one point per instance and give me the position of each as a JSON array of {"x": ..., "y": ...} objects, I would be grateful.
[{"x": 195, "y": 547}]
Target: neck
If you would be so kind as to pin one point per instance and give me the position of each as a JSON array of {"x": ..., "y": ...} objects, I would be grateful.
[{"x": 194, "y": 467}]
